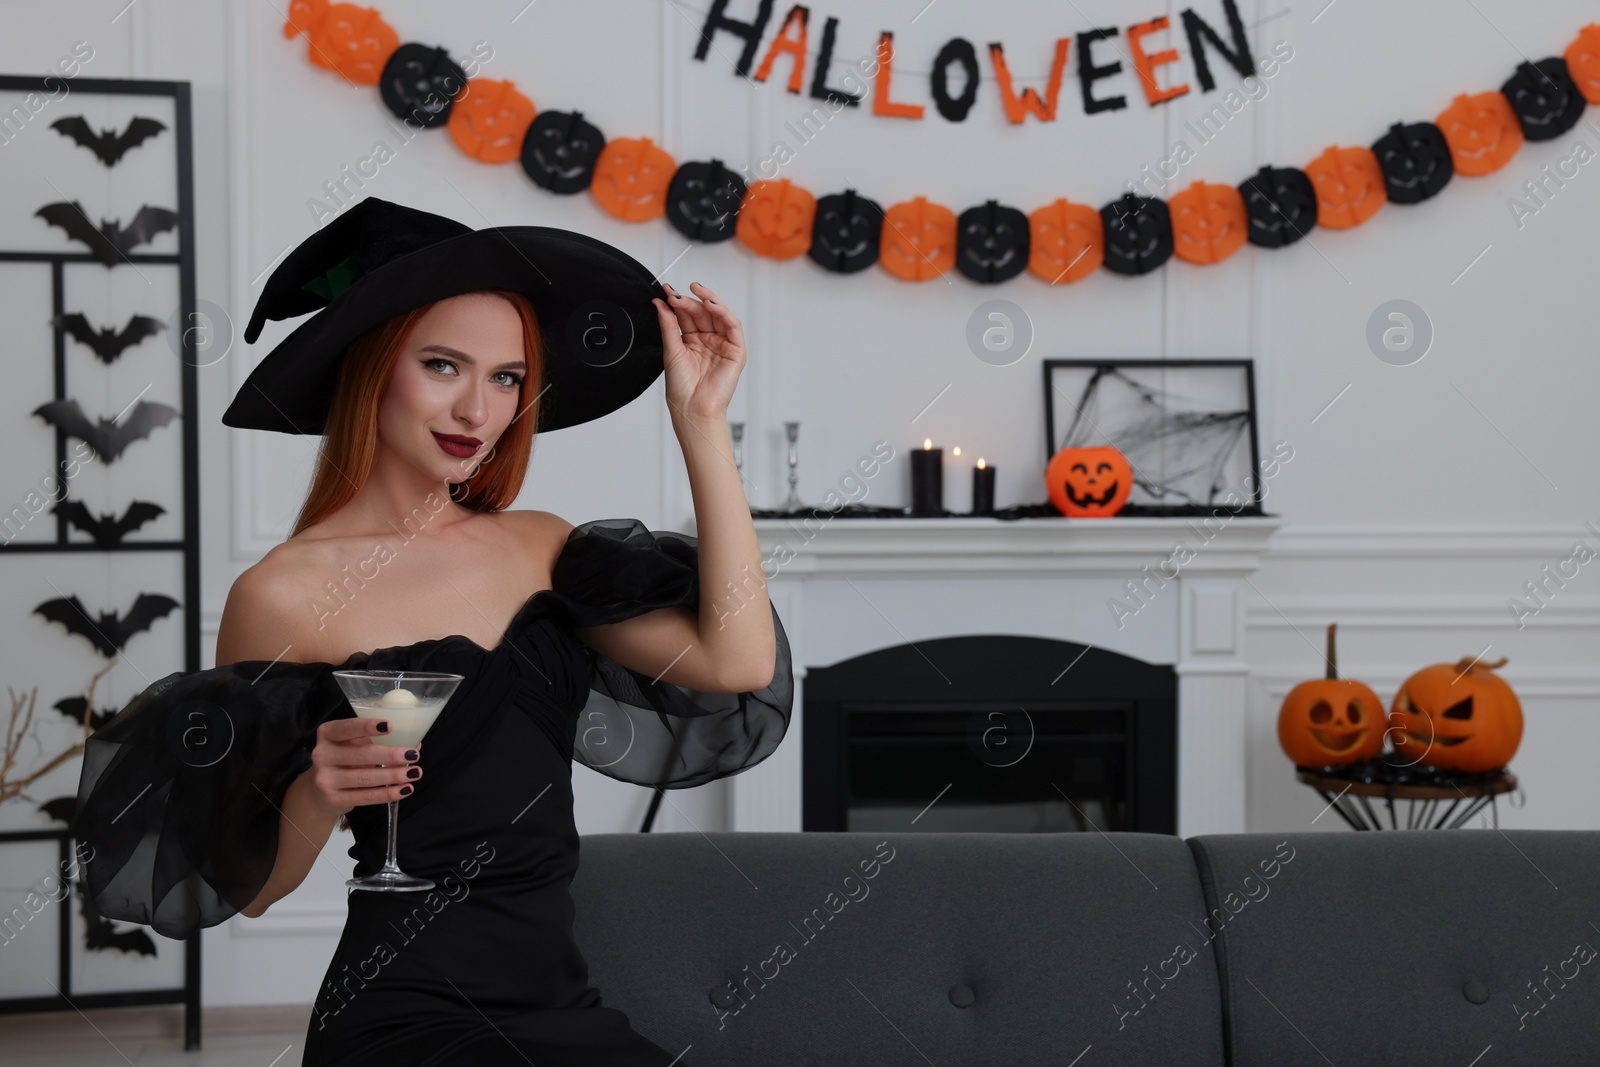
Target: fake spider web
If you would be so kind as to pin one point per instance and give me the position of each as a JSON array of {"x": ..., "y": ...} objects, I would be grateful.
[{"x": 1180, "y": 452}]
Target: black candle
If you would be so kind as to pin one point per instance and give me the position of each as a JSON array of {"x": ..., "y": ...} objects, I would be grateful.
[
  {"x": 927, "y": 479},
  {"x": 982, "y": 489}
]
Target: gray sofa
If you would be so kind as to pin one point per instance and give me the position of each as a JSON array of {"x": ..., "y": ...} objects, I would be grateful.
[{"x": 1468, "y": 948}]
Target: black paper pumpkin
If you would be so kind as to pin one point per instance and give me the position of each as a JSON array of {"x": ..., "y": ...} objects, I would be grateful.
[
  {"x": 560, "y": 149},
  {"x": 1545, "y": 98},
  {"x": 1282, "y": 205},
  {"x": 703, "y": 200},
  {"x": 1138, "y": 234},
  {"x": 845, "y": 235},
  {"x": 992, "y": 242},
  {"x": 419, "y": 84},
  {"x": 1415, "y": 159}
]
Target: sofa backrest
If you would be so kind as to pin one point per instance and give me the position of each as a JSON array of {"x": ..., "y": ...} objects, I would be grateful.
[
  {"x": 1421, "y": 946},
  {"x": 1027, "y": 950}
]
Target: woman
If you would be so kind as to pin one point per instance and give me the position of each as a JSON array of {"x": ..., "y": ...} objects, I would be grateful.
[{"x": 214, "y": 792}]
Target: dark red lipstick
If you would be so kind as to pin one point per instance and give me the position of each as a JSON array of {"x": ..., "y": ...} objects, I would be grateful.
[{"x": 457, "y": 445}]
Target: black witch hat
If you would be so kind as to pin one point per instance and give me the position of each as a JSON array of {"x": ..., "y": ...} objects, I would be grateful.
[{"x": 601, "y": 336}]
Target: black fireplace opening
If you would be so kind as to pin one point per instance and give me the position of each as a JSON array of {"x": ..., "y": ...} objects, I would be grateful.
[{"x": 990, "y": 733}]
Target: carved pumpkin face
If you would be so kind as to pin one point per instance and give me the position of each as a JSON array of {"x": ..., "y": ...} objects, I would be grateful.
[
  {"x": 1138, "y": 234},
  {"x": 489, "y": 120},
  {"x": 631, "y": 179},
  {"x": 918, "y": 240},
  {"x": 420, "y": 83},
  {"x": 1482, "y": 131},
  {"x": 560, "y": 150},
  {"x": 1208, "y": 223},
  {"x": 703, "y": 201},
  {"x": 355, "y": 41},
  {"x": 1281, "y": 204},
  {"x": 1331, "y": 721},
  {"x": 1458, "y": 716},
  {"x": 1415, "y": 160},
  {"x": 777, "y": 219},
  {"x": 1583, "y": 62},
  {"x": 992, "y": 242},
  {"x": 844, "y": 238},
  {"x": 1066, "y": 241},
  {"x": 1089, "y": 483},
  {"x": 1546, "y": 100},
  {"x": 1349, "y": 184}
]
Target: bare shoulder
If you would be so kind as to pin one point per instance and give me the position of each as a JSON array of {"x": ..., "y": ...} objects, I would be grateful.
[
  {"x": 540, "y": 533},
  {"x": 261, "y": 619}
]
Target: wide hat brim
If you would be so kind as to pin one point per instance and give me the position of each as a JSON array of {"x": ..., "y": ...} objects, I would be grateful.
[{"x": 601, "y": 337}]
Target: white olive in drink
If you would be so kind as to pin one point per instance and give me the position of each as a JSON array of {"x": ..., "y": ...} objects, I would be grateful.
[{"x": 408, "y": 715}]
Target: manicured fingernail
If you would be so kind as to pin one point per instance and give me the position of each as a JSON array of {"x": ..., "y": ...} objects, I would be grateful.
[
  {"x": 383, "y": 727},
  {"x": 415, "y": 772},
  {"x": 405, "y": 790},
  {"x": 411, "y": 753}
]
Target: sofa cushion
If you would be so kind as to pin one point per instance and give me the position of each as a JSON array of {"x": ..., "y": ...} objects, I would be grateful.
[
  {"x": 853, "y": 948},
  {"x": 1422, "y": 946}
]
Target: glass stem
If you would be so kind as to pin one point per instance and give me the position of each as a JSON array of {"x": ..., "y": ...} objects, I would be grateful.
[{"x": 389, "y": 863}]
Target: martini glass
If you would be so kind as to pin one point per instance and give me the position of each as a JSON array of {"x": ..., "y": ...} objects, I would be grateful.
[{"x": 410, "y": 701}]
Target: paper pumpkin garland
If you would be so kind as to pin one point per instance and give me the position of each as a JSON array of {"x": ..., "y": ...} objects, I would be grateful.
[
  {"x": 1483, "y": 133},
  {"x": 560, "y": 151},
  {"x": 1281, "y": 204},
  {"x": 846, "y": 235},
  {"x": 1545, "y": 99},
  {"x": 636, "y": 180},
  {"x": 1066, "y": 242},
  {"x": 1350, "y": 186},
  {"x": 1209, "y": 223},
  {"x": 992, "y": 243}
]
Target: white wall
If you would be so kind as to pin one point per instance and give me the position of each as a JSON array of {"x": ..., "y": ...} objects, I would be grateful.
[{"x": 1415, "y": 505}]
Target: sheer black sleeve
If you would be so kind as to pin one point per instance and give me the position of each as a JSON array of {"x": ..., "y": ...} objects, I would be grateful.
[
  {"x": 179, "y": 796},
  {"x": 647, "y": 732}
]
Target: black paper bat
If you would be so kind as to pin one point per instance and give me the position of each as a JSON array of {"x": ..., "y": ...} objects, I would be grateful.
[
  {"x": 73, "y": 707},
  {"x": 108, "y": 530},
  {"x": 106, "y": 436},
  {"x": 99, "y": 932},
  {"x": 108, "y": 145},
  {"x": 108, "y": 342},
  {"x": 111, "y": 242},
  {"x": 112, "y": 630},
  {"x": 62, "y": 809}
]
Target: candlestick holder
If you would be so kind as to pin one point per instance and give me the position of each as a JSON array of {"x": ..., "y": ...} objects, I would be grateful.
[{"x": 792, "y": 431}]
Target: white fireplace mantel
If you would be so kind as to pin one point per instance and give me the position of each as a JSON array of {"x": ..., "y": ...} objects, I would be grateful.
[{"x": 846, "y": 586}]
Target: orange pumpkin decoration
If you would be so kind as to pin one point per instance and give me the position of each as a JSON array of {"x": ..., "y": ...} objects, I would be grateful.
[
  {"x": 1209, "y": 222},
  {"x": 489, "y": 120},
  {"x": 919, "y": 240},
  {"x": 1483, "y": 132},
  {"x": 1457, "y": 716},
  {"x": 1332, "y": 721},
  {"x": 1350, "y": 186},
  {"x": 1089, "y": 483},
  {"x": 631, "y": 178},
  {"x": 1066, "y": 241},
  {"x": 776, "y": 219},
  {"x": 1583, "y": 62},
  {"x": 305, "y": 16},
  {"x": 355, "y": 41}
]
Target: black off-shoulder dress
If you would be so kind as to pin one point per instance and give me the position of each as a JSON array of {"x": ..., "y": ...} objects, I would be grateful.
[{"x": 179, "y": 796}]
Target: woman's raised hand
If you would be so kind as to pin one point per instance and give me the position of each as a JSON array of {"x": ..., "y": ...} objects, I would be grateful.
[
  {"x": 703, "y": 352},
  {"x": 344, "y": 766}
]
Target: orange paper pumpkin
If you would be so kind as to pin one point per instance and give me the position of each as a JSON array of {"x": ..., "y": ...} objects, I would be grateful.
[
  {"x": 1350, "y": 186},
  {"x": 1457, "y": 716},
  {"x": 1332, "y": 721},
  {"x": 631, "y": 179},
  {"x": 919, "y": 240},
  {"x": 776, "y": 219},
  {"x": 1089, "y": 483},
  {"x": 1583, "y": 62},
  {"x": 355, "y": 41},
  {"x": 489, "y": 120},
  {"x": 1483, "y": 132},
  {"x": 1066, "y": 241},
  {"x": 305, "y": 16},
  {"x": 1209, "y": 223}
]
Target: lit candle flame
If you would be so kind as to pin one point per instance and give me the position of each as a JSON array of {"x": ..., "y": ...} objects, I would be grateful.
[
  {"x": 956, "y": 451},
  {"x": 927, "y": 442},
  {"x": 981, "y": 463}
]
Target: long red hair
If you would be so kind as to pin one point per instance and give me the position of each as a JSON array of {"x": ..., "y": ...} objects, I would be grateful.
[{"x": 350, "y": 438}]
